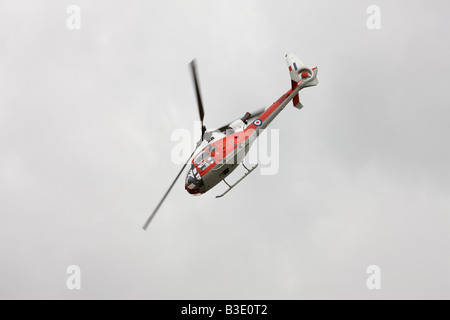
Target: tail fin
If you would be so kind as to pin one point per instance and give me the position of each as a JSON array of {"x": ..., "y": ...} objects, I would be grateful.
[{"x": 300, "y": 72}]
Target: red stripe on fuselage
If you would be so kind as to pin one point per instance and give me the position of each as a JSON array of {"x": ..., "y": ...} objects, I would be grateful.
[
  {"x": 270, "y": 110},
  {"x": 224, "y": 147},
  {"x": 229, "y": 143}
]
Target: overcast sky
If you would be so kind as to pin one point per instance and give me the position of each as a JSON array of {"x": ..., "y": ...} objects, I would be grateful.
[{"x": 86, "y": 118}]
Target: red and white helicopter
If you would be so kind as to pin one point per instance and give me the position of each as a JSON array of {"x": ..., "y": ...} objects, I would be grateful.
[{"x": 220, "y": 151}]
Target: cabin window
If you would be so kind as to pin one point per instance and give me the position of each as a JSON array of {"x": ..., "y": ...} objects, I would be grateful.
[
  {"x": 228, "y": 131},
  {"x": 203, "y": 155},
  {"x": 211, "y": 149}
]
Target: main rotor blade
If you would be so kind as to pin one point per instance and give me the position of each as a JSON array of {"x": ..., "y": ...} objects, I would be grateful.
[
  {"x": 165, "y": 195},
  {"x": 198, "y": 94}
]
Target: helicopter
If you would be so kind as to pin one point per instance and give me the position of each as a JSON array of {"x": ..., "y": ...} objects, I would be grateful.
[{"x": 221, "y": 150}]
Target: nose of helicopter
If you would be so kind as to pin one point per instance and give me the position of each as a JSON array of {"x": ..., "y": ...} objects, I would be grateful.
[
  {"x": 192, "y": 190},
  {"x": 193, "y": 181}
]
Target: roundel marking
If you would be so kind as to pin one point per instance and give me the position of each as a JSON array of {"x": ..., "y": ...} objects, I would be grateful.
[{"x": 257, "y": 122}]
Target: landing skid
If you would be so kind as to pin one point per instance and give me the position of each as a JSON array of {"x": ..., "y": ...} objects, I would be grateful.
[{"x": 233, "y": 185}]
